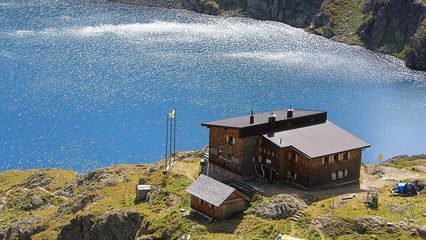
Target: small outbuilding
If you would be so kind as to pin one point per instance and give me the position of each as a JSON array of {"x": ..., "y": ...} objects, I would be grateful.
[
  {"x": 142, "y": 191},
  {"x": 214, "y": 199}
]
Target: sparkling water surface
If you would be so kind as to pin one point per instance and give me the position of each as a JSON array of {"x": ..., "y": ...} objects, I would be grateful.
[{"x": 87, "y": 84}]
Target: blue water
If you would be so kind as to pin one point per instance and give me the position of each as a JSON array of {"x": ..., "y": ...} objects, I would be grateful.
[{"x": 88, "y": 84}]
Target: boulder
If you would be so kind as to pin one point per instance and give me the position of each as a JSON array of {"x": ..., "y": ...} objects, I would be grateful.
[
  {"x": 421, "y": 229},
  {"x": 279, "y": 207},
  {"x": 115, "y": 224},
  {"x": 391, "y": 227},
  {"x": 369, "y": 224},
  {"x": 333, "y": 226},
  {"x": 37, "y": 180}
]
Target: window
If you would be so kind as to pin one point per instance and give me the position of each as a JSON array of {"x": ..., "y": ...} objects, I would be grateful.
[
  {"x": 333, "y": 176},
  {"x": 295, "y": 175},
  {"x": 325, "y": 160},
  {"x": 268, "y": 161},
  {"x": 273, "y": 154},
  {"x": 345, "y": 173},
  {"x": 345, "y": 156},
  {"x": 211, "y": 206},
  {"x": 335, "y": 157},
  {"x": 340, "y": 174},
  {"x": 231, "y": 140},
  {"x": 293, "y": 156},
  {"x": 201, "y": 201}
]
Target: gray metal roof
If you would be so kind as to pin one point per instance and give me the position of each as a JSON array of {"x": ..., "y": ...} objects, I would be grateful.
[
  {"x": 317, "y": 140},
  {"x": 210, "y": 190},
  {"x": 259, "y": 118}
]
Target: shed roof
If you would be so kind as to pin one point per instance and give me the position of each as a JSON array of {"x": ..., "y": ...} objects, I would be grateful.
[
  {"x": 210, "y": 190},
  {"x": 317, "y": 140},
  {"x": 259, "y": 118},
  {"x": 144, "y": 187}
]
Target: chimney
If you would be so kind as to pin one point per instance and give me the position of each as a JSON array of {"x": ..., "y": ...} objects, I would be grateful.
[
  {"x": 251, "y": 117},
  {"x": 290, "y": 112},
  {"x": 272, "y": 117}
]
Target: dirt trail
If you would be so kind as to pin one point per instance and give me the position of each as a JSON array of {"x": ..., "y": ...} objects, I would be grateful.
[{"x": 369, "y": 178}]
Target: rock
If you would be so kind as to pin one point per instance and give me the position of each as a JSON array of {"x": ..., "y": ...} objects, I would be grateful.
[
  {"x": 116, "y": 224},
  {"x": 94, "y": 180},
  {"x": 279, "y": 207},
  {"x": 78, "y": 203},
  {"x": 328, "y": 33},
  {"x": 416, "y": 56},
  {"x": 37, "y": 180},
  {"x": 421, "y": 229},
  {"x": 419, "y": 169},
  {"x": 332, "y": 226},
  {"x": 391, "y": 227},
  {"x": 24, "y": 229},
  {"x": 28, "y": 200},
  {"x": 298, "y": 13},
  {"x": 210, "y": 7},
  {"x": 394, "y": 25},
  {"x": 369, "y": 224}
]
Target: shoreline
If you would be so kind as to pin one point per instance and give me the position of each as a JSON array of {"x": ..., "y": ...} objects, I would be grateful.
[{"x": 319, "y": 21}]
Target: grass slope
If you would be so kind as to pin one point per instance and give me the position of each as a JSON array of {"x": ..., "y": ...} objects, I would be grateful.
[{"x": 162, "y": 215}]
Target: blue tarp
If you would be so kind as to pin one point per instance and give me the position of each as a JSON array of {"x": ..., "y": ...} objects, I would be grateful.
[
  {"x": 405, "y": 188},
  {"x": 401, "y": 186}
]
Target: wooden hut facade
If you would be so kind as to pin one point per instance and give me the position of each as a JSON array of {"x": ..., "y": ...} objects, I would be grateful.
[
  {"x": 300, "y": 146},
  {"x": 215, "y": 199}
]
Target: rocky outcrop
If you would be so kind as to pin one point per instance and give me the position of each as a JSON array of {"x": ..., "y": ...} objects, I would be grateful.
[
  {"x": 116, "y": 224},
  {"x": 392, "y": 24},
  {"x": 280, "y": 206},
  {"x": 369, "y": 224},
  {"x": 333, "y": 226},
  {"x": 23, "y": 230},
  {"x": 298, "y": 13},
  {"x": 203, "y": 6},
  {"x": 416, "y": 56},
  {"x": 395, "y": 26},
  {"x": 37, "y": 180}
]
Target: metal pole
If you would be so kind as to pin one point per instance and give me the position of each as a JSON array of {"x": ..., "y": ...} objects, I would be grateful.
[
  {"x": 167, "y": 141},
  {"x": 174, "y": 138},
  {"x": 171, "y": 135}
]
